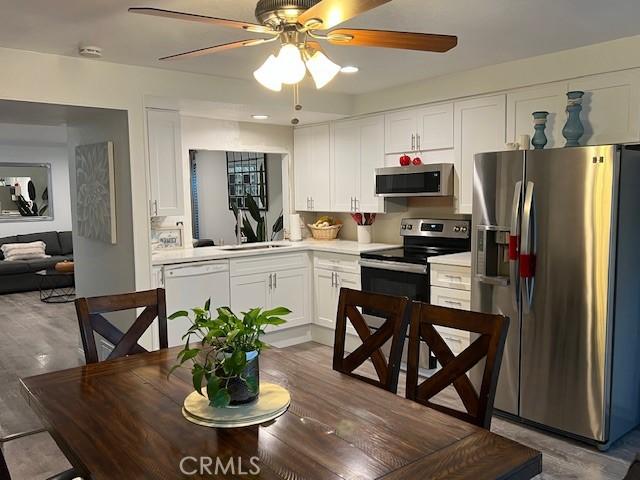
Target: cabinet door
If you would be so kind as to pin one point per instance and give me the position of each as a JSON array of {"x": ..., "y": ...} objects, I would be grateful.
[
  {"x": 399, "y": 128},
  {"x": 320, "y": 167},
  {"x": 326, "y": 298},
  {"x": 371, "y": 157},
  {"x": 311, "y": 152},
  {"x": 435, "y": 127},
  {"x": 249, "y": 291},
  {"x": 290, "y": 288},
  {"x": 522, "y": 103},
  {"x": 302, "y": 157},
  {"x": 165, "y": 162},
  {"x": 610, "y": 108},
  {"x": 480, "y": 126},
  {"x": 345, "y": 165}
]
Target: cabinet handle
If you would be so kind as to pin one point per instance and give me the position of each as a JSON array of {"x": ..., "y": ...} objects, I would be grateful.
[
  {"x": 312, "y": 204},
  {"x": 413, "y": 141},
  {"x": 270, "y": 281},
  {"x": 333, "y": 283},
  {"x": 357, "y": 204},
  {"x": 418, "y": 137},
  {"x": 452, "y": 339},
  {"x": 337, "y": 280},
  {"x": 275, "y": 280},
  {"x": 451, "y": 302},
  {"x": 454, "y": 277}
]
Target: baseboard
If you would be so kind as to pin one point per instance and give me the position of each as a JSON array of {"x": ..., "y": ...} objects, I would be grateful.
[{"x": 289, "y": 337}]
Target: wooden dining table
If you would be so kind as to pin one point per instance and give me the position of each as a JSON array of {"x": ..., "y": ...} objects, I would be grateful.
[{"x": 122, "y": 419}]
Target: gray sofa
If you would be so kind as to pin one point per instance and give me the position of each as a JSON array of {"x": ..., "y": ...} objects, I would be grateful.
[{"x": 20, "y": 276}]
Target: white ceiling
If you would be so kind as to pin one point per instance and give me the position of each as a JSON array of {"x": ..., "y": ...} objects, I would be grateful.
[{"x": 489, "y": 31}]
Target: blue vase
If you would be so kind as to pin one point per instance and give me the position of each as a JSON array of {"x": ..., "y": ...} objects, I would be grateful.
[
  {"x": 539, "y": 139},
  {"x": 573, "y": 129}
]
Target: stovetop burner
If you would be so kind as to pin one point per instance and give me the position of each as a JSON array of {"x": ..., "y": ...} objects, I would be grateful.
[{"x": 409, "y": 255}]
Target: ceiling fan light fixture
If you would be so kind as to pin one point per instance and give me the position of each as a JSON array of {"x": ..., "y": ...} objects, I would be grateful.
[
  {"x": 290, "y": 65},
  {"x": 268, "y": 75},
  {"x": 322, "y": 69}
]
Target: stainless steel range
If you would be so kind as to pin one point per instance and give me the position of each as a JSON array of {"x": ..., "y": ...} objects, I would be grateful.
[{"x": 405, "y": 271}]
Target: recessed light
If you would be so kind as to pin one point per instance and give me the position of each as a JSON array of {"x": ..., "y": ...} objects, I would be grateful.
[
  {"x": 260, "y": 117},
  {"x": 349, "y": 69}
]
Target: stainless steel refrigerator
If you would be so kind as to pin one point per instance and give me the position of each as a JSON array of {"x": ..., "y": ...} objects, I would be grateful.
[{"x": 556, "y": 247}]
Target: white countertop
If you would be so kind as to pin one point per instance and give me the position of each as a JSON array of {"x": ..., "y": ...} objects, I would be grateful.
[
  {"x": 458, "y": 259},
  {"x": 219, "y": 253}
]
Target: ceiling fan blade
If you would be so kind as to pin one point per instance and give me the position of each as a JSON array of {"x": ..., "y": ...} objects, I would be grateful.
[
  {"x": 158, "y": 12},
  {"x": 425, "y": 42},
  {"x": 216, "y": 48},
  {"x": 329, "y": 13}
]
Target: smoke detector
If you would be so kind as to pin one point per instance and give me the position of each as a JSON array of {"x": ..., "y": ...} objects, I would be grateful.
[{"x": 90, "y": 51}]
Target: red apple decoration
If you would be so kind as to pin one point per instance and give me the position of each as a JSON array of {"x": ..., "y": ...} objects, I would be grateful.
[
  {"x": 417, "y": 161},
  {"x": 405, "y": 160}
]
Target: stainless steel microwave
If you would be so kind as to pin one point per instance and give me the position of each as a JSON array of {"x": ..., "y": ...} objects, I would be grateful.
[{"x": 434, "y": 180}]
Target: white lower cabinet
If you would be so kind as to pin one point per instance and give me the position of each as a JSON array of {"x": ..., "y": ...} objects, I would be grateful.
[
  {"x": 451, "y": 288},
  {"x": 278, "y": 281},
  {"x": 331, "y": 273}
]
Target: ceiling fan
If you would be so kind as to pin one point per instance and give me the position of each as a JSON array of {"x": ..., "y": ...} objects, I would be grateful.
[{"x": 298, "y": 24}]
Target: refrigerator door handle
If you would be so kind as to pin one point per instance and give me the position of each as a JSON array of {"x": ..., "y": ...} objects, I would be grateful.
[
  {"x": 514, "y": 244},
  {"x": 528, "y": 245}
]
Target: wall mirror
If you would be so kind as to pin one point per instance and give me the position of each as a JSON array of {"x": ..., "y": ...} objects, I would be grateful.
[{"x": 25, "y": 192}]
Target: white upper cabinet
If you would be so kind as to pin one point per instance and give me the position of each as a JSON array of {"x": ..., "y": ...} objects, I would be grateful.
[
  {"x": 610, "y": 108},
  {"x": 358, "y": 149},
  {"x": 479, "y": 127},
  {"x": 400, "y": 131},
  {"x": 435, "y": 127},
  {"x": 311, "y": 158},
  {"x": 419, "y": 129},
  {"x": 165, "y": 163},
  {"x": 522, "y": 103}
]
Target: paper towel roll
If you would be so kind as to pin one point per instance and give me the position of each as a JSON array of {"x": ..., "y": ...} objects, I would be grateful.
[{"x": 295, "y": 230}]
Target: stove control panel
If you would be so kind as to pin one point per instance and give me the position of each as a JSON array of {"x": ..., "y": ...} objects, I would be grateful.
[{"x": 422, "y": 227}]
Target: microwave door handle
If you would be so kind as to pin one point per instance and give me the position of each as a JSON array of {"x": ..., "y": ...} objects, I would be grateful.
[
  {"x": 514, "y": 244},
  {"x": 527, "y": 248}
]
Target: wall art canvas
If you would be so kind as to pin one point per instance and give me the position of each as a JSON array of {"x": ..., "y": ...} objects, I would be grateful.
[{"x": 95, "y": 192}]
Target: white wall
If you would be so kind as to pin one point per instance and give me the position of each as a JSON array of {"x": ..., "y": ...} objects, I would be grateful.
[
  {"x": 207, "y": 134},
  {"x": 216, "y": 221},
  {"x": 39, "y": 144},
  {"x": 604, "y": 57},
  {"x": 102, "y": 268}
]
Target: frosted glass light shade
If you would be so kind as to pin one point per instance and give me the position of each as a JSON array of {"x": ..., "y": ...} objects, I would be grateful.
[
  {"x": 290, "y": 64},
  {"x": 268, "y": 74},
  {"x": 322, "y": 69}
]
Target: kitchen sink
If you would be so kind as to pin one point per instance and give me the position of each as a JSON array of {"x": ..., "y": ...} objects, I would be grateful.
[{"x": 254, "y": 247}]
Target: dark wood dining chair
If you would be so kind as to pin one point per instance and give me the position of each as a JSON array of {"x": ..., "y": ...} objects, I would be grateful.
[
  {"x": 489, "y": 345},
  {"x": 395, "y": 312},
  {"x": 91, "y": 320},
  {"x": 4, "y": 469}
]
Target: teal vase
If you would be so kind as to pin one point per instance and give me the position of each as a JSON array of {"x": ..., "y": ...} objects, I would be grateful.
[
  {"x": 573, "y": 129},
  {"x": 539, "y": 139}
]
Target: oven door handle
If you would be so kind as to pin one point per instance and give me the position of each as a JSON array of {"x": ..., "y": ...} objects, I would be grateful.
[{"x": 394, "y": 266}]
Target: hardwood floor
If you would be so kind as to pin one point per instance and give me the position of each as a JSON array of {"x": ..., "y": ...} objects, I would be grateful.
[{"x": 42, "y": 338}]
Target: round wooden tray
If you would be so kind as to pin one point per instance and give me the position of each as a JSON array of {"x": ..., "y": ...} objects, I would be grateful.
[{"x": 272, "y": 402}]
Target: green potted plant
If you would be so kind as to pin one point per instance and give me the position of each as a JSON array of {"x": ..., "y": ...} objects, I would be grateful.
[{"x": 225, "y": 360}]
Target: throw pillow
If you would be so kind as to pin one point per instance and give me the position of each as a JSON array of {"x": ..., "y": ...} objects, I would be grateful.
[{"x": 24, "y": 251}]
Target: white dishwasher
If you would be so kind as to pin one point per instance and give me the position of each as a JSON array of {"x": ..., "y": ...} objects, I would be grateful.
[{"x": 189, "y": 285}]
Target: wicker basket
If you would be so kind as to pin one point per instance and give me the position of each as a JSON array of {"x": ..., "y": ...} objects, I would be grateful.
[{"x": 324, "y": 233}]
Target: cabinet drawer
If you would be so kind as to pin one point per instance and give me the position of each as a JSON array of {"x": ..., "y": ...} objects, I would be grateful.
[
  {"x": 272, "y": 262},
  {"x": 338, "y": 262},
  {"x": 451, "y": 298},
  {"x": 450, "y": 276},
  {"x": 457, "y": 340}
]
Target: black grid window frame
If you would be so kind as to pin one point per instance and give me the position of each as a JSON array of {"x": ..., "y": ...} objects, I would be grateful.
[{"x": 247, "y": 174}]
